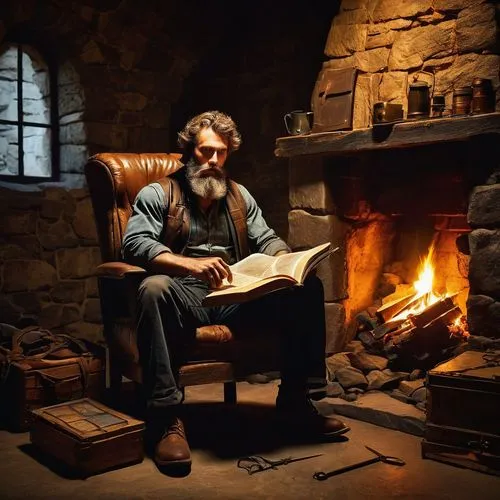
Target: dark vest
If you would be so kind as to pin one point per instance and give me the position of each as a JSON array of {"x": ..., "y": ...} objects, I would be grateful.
[{"x": 178, "y": 217}]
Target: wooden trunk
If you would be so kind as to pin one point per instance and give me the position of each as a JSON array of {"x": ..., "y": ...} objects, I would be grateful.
[
  {"x": 463, "y": 412},
  {"x": 87, "y": 436},
  {"x": 27, "y": 384}
]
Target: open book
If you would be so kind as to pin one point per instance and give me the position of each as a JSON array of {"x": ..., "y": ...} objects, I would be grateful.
[{"x": 259, "y": 274}]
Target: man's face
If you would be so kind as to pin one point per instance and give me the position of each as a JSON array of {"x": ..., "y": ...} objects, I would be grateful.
[{"x": 205, "y": 171}]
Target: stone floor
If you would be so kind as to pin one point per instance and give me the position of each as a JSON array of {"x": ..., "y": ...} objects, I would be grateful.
[{"x": 219, "y": 435}]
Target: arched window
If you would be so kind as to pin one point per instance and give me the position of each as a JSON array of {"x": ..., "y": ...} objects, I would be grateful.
[{"x": 28, "y": 116}]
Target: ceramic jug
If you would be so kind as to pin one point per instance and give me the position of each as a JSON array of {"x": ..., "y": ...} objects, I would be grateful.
[{"x": 298, "y": 122}]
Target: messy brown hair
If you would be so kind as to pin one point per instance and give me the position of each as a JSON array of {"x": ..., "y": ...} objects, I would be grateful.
[{"x": 219, "y": 122}]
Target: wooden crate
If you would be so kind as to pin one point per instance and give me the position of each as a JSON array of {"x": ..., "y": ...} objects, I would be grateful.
[
  {"x": 87, "y": 436},
  {"x": 463, "y": 412}
]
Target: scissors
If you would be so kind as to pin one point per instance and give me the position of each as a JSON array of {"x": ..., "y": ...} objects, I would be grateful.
[
  {"x": 257, "y": 463},
  {"x": 321, "y": 476}
]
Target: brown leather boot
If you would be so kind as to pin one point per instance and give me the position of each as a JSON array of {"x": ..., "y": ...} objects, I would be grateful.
[
  {"x": 302, "y": 418},
  {"x": 173, "y": 448}
]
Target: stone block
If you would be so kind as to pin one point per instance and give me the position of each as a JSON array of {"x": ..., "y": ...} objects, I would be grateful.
[
  {"x": 23, "y": 275},
  {"x": 484, "y": 206},
  {"x": 73, "y": 158},
  {"x": 73, "y": 133},
  {"x": 18, "y": 223},
  {"x": 308, "y": 189},
  {"x": 413, "y": 47},
  {"x": 84, "y": 223},
  {"x": 92, "y": 311},
  {"x": 345, "y": 39},
  {"x": 77, "y": 262},
  {"x": 307, "y": 231},
  {"x": 385, "y": 9},
  {"x": 335, "y": 330},
  {"x": 92, "y": 287},
  {"x": 476, "y": 28},
  {"x": 56, "y": 235},
  {"x": 483, "y": 316},
  {"x": 69, "y": 291},
  {"x": 484, "y": 272}
]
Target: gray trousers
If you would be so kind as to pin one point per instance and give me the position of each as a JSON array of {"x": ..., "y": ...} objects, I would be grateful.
[{"x": 170, "y": 310}]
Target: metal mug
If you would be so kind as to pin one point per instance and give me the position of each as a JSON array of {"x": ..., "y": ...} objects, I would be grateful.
[
  {"x": 419, "y": 101},
  {"x": 387, "y": 112},
  {"x": 298, "y": 122}
]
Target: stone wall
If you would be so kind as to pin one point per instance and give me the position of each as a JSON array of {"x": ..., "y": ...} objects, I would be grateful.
[
  {"x": 456, "y": 40},
  {"x": 122, "y": 68},
  {"x": 48, "y": 253},
  {"x": 483, "y": 305}
]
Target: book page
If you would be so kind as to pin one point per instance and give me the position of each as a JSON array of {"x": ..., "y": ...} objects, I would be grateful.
[
  {"x": 298, "y": 264},
  {"x": 257, "y": 267}
]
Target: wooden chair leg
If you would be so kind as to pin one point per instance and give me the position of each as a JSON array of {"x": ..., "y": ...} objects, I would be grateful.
[
  {"x": 230, "y": 392},
  {"x": 115, "y": 381}
]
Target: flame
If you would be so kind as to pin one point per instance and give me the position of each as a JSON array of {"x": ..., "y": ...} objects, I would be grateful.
[
  {"x": 425, "y": 296},
  {"x": 424, "y": 288}
]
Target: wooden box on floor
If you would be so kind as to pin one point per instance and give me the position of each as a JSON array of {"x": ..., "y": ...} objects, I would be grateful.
[
  {"x": 87, "y": 436},
  {"x": 463, "y": 412}
]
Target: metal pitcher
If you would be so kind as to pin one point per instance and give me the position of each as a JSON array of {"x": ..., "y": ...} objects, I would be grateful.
[{"x": 298, "y": 122}]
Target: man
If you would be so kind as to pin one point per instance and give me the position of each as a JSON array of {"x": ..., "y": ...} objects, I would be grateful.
[{"x": 182, "y": 273}]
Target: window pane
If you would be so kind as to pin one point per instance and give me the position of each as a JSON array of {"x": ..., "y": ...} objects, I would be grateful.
[
  {"x": 9, "y": 151},
  {"x": 8, "y": 83},
  {"x": 36, "y": 146},
  {"x": 36, "y": 88}
]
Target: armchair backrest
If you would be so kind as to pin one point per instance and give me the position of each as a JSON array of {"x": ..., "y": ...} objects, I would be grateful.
[{"x": 114, "y": 179}]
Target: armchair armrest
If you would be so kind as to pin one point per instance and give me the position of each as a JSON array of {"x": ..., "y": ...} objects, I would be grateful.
[{"x": 118, "y": 270}]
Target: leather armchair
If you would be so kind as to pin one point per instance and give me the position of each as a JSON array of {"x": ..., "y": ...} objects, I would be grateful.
[{"x": 218, "y": 354}]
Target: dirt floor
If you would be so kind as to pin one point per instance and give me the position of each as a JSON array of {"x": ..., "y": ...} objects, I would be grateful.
[{"x": 219, "y": 435}]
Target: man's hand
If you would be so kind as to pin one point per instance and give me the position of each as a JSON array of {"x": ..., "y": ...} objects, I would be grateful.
[
  {"x": 213, "y": 270},
  {"x": 210, "y": 269}
]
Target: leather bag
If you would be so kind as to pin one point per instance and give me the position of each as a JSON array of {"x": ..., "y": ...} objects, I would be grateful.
[
  {"x": 39, "y": 368},
  {"x": 332, "y": 101}
]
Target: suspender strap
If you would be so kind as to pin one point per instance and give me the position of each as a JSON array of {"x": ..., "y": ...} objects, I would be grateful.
[
  {"x": 177, "y": 231},
  {"x": 238, "y": 213}
]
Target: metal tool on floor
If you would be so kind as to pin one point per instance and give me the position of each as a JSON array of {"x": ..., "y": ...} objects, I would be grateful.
[
  {"x": 257, "y": 463},
  {"x": 321, "y": 476}
]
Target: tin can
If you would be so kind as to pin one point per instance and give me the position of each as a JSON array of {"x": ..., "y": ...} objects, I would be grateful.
[{"x": 483, "y": 97}]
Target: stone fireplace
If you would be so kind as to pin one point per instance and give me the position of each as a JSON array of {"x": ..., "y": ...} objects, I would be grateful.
[
  {"x": 385, "y": 206},
  {"x": 383, "y": 194},
  {"x": 387, "y": 194}
]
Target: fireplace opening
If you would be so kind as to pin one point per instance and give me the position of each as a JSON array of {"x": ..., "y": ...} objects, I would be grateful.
[{"x": 399, "y": 215}]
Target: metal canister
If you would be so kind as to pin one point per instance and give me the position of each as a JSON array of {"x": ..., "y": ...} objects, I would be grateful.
[
  {"x": 483, "y": 97},
  {"x": 462, "y": 98},
  {"x": 419, "y": 104}
]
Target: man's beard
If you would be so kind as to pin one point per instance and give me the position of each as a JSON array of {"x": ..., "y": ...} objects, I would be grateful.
[{"x": 212, "y": 187}]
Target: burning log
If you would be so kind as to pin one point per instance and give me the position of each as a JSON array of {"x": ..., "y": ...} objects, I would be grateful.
[
  {"x": 392, "y": 308},
  {"x": 420, "y": 340}
]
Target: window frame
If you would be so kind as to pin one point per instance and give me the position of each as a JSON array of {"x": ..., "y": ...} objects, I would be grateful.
[{"x": 53, "y": 125}]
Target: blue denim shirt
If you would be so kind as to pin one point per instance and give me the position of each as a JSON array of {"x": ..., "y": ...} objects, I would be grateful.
[{"x": 209, "y": 233}]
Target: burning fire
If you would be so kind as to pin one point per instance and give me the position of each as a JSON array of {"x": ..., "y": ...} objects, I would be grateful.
[{"x": 425, "y": 296}]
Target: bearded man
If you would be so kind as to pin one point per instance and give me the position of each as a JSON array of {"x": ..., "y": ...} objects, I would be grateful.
[{"x": 182, "y": 274}]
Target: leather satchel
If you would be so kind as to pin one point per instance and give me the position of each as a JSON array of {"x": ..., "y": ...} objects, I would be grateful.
[
  {"x": 332, "y": 101},
  {"x": 38, "y": 368}
]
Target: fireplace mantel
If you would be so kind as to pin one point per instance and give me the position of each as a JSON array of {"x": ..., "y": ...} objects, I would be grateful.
[{"x": 404, "y": 134}]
